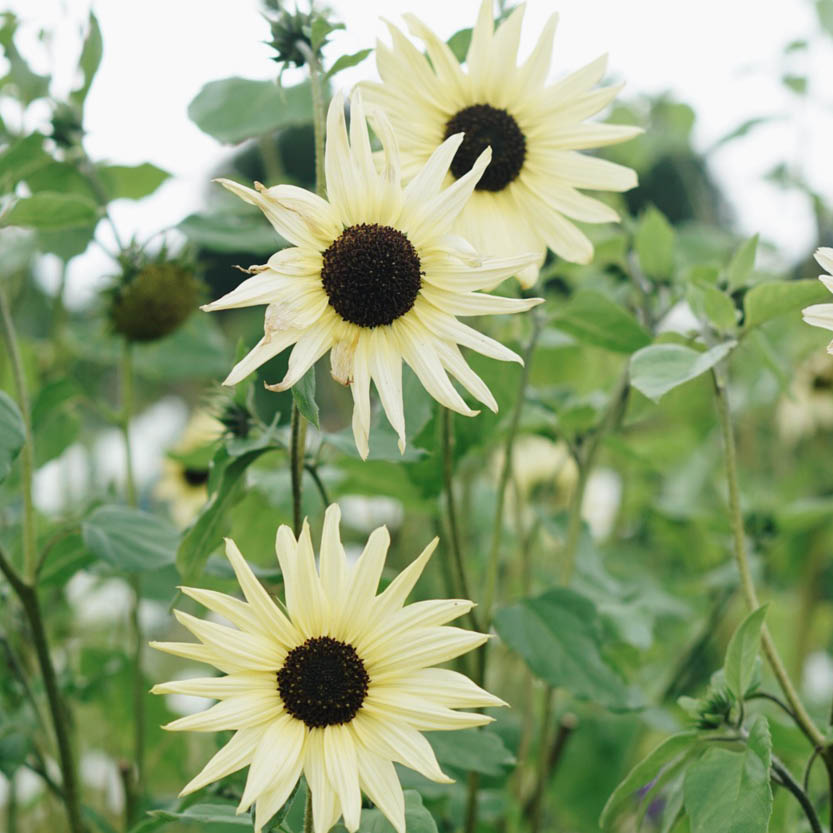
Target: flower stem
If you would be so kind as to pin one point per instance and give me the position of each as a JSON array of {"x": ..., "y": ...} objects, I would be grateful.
[
  {"x": 298, "y": 440},
  {"x": 308, "y": 812},
  {"x": 319, "y": 116},
  {"x": 31, "y": 606},
  {"x": 27, "y": 453},
  {"x": 136, "y": 636},
  {"x": 451, "y": 511},
  {"x": 802, "y": 718}
]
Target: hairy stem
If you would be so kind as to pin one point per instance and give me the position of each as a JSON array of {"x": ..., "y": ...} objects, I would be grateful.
[
  {"x": 27, "y": 453},
  {"x": 802, "y": 718},
  {"x": 319, "y": 115},
  {"x": 786, "y": 780},
  {"x": 60, "y": 720},
  {"x": 297, "y": 446}
]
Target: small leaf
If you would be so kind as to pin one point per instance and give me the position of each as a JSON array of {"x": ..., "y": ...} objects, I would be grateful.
[
  {"x": 200, "y": 814},
  {"x": 51, "y": 211},
  {"x": 769, "y": 300},
  {"x": 796, "y": 83},
  {"x": 459, "y": 44},
  {"x": 709, "y": 303},
  {"x": 593, "y": 318},
  {"x": 12, "y": 433},
  {"x": 657, "y": 369},
  {"x": 742, "y": 262},
  {"x": 303, "y": 392},
  {"x": 131, "y": 182},
  {"x": 347, "y": 61},
  {"x": 129, "y": 539},
  {"x": 645, "y": 772},
  {"x": 654, "y": 245},
  {"x": 729, "y": 792},
  {"x": 742, "y": 651},
  {"x": 90, "y": 59},
  {"x": 559, "y": 635},
  {"x": 235, "y": 109},
  {"x": 320, "y": 28}
]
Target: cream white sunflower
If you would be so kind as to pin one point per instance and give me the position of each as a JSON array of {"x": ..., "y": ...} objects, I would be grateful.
[
  {"x": 375, "y": 276},
  {"x": 821, "y": 315},
  {"x": 535, "y": 129},
  {"x": 336, "y": 684}
]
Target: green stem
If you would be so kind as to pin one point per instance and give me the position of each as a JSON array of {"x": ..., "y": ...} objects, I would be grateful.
[
  {"x": 27, "y": 453},
  {"x": 786, "y": 780},
  {"x": 60, "y": 722},
  {"x": 297, "y": 445},
  {"x": 319, "y": 115},
  {"x": 451, "y": 511},
  {"x": 802, "y": 718},
  {"x": 543, "y": 756},
  {"x": 308, "y": 812},
  {"x": 137, "y": 638}
]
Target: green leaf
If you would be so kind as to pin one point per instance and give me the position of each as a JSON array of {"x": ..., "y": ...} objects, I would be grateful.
[
  {"x": 320, "y": 28},
  {"x": 742, "y": 651},
  {"x": 232, "y": 232},
  {"x": 593, "y": 318},
  {"x": 742, "y": 262},
  {"x": 131, "y": 182},
  {"x": 729, "y": 792},
  {"x": 28, "y": 85},
  {"x": 20, "y": 159},
  {"x": 824, "y": 10},
  {"x": 645, "y": 772},
  {"x": 199, "y": 814},
  {"x": 654, "y": 243},
  {"x": 559, "y": 635},
  {"x": 796, "y": 83},
  {"x": 64, "y": 560},
  {"x": 129, "y": 539},
  {"x": 347, "y": 61},
  {"x": 769, "y": 300},
  {"x": 417, "y": 818},
  {"x": 657, "y": 369},
  {"x": 51, "y": 211},
  {"x": 12, "y": 433},
  {"x": 207, "y": 532},
  {"x": 235, "y": 109},
  {"x": 303, "y": 392},
  {"x": 472, "y": 750},
  {"x": 459, "y": 44},
  {"x": 90, "y": 60},
  {"x": 709, "y": 303}
]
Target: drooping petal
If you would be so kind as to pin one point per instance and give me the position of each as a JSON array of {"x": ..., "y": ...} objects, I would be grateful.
[
  {"x": 236, "y": 754},
  {"x": 219, "y": 688},
  {"x": 267, "y": 348},
  {"x": 242, "y": 712},
  {"x": 378, "y": 779},
  {"x": 386, "y": 369},
  {"x": 343, "y": 773}
]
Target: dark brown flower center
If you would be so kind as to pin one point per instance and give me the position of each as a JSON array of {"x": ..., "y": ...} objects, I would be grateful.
[
  {"x": 371, "y": 274},
  {"x": 323, "y": 682},
  {"x": 486, "y": 126}
]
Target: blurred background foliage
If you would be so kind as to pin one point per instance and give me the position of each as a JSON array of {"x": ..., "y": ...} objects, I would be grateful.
[{"x": 655, "y": 588}]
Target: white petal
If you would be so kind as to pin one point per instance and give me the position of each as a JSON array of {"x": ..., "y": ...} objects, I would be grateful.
[
  {"x": 386, "y": 370},
  {"x": 441, "y": 685},
  {"x": 427, "y": 183},
  {"x": 199, "y": 653},
  {"x": 583, "y": 171},
  {"x": 332, "y": 559},
  {"x": 365, "y": 580},
  {"x": 261, "y": 288},
  {"x": 219, "y": 688},
  {"x": 455, "y": 276},
  {"x": 343, "y": 773},
  {"x": 476, "y": 303},
  {"x": 360, "y": 388},
  {"x": 534, "y": 71},
  {"x": 379, "y": 780},
  {"x": 267, "y": 348},
  {"x": 234, "y": 713},
  {"x": 273, "y": 798},
  {"x": 445, "y": 64},
  {"x": 236, "y": 754},
  {"x": 824, "y": 256},
  {"x": 421, "y": 714},
  {"x": 325, "y": 808},
  {"x": 237, "y": 612},
  {"x": 819, "y": 315},
  {"x": 456, "y": 365},
  {"x": 308, "y": 349},
  {"x": 305, "y": 599},
  {"x": 425, "y": 646}
]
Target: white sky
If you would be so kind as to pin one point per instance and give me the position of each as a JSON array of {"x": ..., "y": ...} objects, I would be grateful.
[{"x": 724, "y": 57}]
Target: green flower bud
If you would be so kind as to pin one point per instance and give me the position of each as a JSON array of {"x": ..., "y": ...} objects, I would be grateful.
[
  {"x": 153, "y": 300},
  {"x": 296, "y": 35}
]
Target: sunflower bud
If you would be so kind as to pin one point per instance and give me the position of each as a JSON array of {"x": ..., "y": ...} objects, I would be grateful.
[
  {"x": 67, "y": 129},
  {"x": 154, "y": 299},
  {"x": 297, "y": 35}
]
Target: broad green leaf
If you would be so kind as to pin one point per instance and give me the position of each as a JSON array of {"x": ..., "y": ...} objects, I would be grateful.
[
  {"x": 472, "y": 750},
  {"x": 129, "y": 539},
  {"x": 201, "y": 814},
  {"x": 51, "y": 211},
  {"x": 12, "y": 433},
  {"x": 304, "y": 395},
  {"x": 417, "y": 818},
  {"x": 709, "y": 303},
  {"x": 742, "y": 651},
  {"x": 21, "y": 158},
  {"x": 90, "y": 60},
  {"x": 591, "y": 317},
  {"x": 769, "y": 300},
  {"x": 729, "y": 792},
  {"x": 347, "y": 61},
  {"x": 235, "y": 109},
  {"x": 742, "y": 263},
  {"x": 64, "y": 560},
  {"x": 459, "y": 44},
  {"x": 55, "y": 422},
  {"x": 559, "y": 635},
  {"x": 232, "y": 232},
  {"x": 62, "y": 178},
  {"x": 207, "y": 532},
  {"x": 27, "y": 84},
  {"x": 654, "y": 243},
  {"x": 131, "y": 182},
  {"x": 657, "y": 369},
  {"x": 645, "y": 772}
]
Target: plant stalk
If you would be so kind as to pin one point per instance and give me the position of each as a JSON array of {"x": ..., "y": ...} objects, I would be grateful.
[{"x": 297, "y": 446}]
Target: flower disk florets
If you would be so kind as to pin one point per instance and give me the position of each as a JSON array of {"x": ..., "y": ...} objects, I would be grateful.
[
  {"x": 371, "y": 274},
  {"x": 486, "y": 126},
  {"x": 323, "y": 682}
]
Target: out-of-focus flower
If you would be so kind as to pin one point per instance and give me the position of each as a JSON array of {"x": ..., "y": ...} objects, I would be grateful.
[
  {"x": 807, "y": 406},
  {"x": 375, "y": 277},
  {"x": 535, "y": 130},
  {"x": 338, "y": 687},
  {"x": 821, "y": 315}
]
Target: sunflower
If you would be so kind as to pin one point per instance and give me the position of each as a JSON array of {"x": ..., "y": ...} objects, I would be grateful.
[
  {"x": 336, "y": 685},
  {"x": 821, "y": 315},
  {"x": 530, "y": 188},
  {"x": 375, "y": 277}
]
